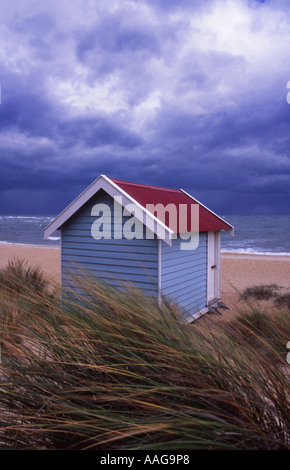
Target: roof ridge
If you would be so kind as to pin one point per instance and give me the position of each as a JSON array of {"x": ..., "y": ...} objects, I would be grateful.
[
  {"x": 209, "y": 220},
  {"x": 145, "y": 185}
]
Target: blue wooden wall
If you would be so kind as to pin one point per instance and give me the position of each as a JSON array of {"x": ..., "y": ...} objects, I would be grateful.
[
  {"x": 184, "y": 274},
  {"x": 134, "y": 261}
]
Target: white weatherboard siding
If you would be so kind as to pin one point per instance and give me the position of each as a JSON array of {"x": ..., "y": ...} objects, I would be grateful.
[
  {"x": 133, "y": 261},
  {"x": 184, "y": 275}
]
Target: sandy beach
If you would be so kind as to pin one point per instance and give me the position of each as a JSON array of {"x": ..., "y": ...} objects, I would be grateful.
[
  {"x": 238, "y": 271},
  {"x": 47, "y": 258}
]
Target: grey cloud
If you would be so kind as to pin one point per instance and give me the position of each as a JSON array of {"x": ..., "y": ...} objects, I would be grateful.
[
  {"x": 220, "y": 145},
  {"x": 96, "y": 131}
]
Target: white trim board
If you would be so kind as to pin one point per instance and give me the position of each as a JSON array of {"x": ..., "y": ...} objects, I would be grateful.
[
  {"x": 159, "y": 271},
  {"x": 213, "y": 266},
  {"x": 111, "y": 188},
  {"x": 197, "y": 315}
]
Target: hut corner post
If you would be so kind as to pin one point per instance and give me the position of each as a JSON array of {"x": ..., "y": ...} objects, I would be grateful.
[{"x": 159, "y": 270}]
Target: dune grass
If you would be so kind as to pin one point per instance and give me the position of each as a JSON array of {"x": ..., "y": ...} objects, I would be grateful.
[
  {"x": 260, "y": 292},
  {"x": 18, "y": 275},
  {"x": 266, "y": 292},
  {"x": 283, "y": 300},
  {"x": 104, "y": 369}
]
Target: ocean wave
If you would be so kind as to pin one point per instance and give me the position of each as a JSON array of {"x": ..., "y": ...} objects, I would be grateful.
[
  {"x": 25, "y": 217},
  {"x": 250, "y": 251},
  {"x": 17, "y": 243}
]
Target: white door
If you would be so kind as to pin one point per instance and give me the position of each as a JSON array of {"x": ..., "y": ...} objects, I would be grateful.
[{"x": 213, "y": 266}]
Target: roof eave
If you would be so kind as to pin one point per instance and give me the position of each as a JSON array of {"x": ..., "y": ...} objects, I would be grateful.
[
  {"x": 105, "y": 183},
  {"x": 230, "y": 229},
  {"x": 68, "y": 211}
]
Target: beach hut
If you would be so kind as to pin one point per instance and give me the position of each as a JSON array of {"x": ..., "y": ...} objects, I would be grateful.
[{"x": 162, "y": 240}]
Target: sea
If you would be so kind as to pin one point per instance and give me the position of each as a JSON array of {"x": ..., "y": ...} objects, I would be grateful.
[{"x": 264, "y": 234}]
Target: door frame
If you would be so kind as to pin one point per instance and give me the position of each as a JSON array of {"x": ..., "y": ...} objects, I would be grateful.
[{"x": 213, "y": 266}]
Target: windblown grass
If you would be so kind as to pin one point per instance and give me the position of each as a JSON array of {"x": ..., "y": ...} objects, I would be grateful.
[
  {"x": 266, "y": 292},
  {"x": 260, "y": 292},
  {"x": 283, "y": 300},
  {"x": 18, "y": 275},
  {"x": 105, "y": 369},
  {"x": 268, "y": 332}
]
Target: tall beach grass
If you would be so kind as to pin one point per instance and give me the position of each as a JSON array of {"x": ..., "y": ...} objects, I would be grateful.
[{"x": 98, "y": 368}]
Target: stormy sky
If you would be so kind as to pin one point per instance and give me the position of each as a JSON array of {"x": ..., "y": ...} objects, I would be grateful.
[{"x": 187, "y": 94}]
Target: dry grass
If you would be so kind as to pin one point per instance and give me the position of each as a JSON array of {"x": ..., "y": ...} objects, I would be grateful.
[
  {"x": 262, "y": 292},
  {"x": 105, "y": 369}
]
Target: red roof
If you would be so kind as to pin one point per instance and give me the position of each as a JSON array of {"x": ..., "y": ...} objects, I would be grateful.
[{"x": 145, "y": 194}]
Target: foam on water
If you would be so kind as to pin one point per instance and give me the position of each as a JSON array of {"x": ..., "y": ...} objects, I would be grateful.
[
  {"x": 26, "y": 230},
  {"x": 264, "y": 235},
  {"x": 249, "y": 251}
]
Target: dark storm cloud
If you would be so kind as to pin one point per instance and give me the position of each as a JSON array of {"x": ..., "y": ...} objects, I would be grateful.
[
  {"x": 116, "y": 36},
  {"x": 94, "y": 132},
  {"x": 28, "y": 113},
  {"x": 34, "y": 114},
  {"x": 180, "y": 94}
]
